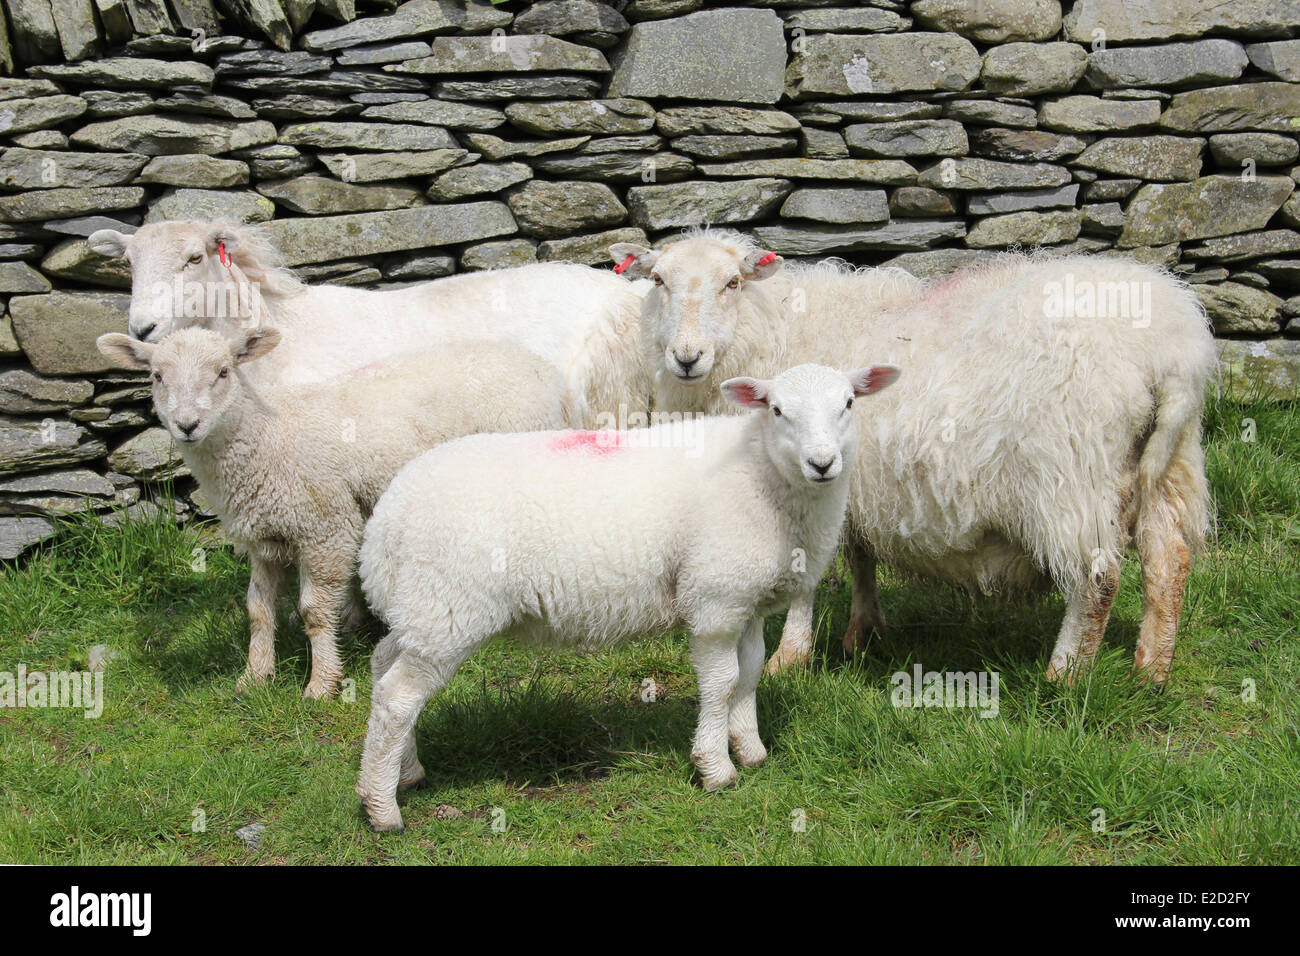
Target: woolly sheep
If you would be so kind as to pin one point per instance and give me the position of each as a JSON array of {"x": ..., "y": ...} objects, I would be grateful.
[
  {"x": 228, "y": 278},
  {"x": 1050, "y": 417},
  {"x": 587, "y": 538},
  {"x": 294, "y": 472}
]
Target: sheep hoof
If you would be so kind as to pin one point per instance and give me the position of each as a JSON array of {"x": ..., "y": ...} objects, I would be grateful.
[
  {"x": 716, "y": 779},
  {"x": 322, "y": 690},
  {"x": 749, "y": 754},
  {"x": 782, "y": 660},
  {"x": 857, "y": 635},
  {"x": 383, "y": 823},
  {"x": 247, "y": 681},
  {"x": 414, "y": 783}
]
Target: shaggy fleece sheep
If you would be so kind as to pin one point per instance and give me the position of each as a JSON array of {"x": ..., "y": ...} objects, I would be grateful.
[
  {"x": 588, "y": 538},
  {"x": 228, "y": 278},
  {"x": 1050, "y": 416},
  {"x": 294, "y": 472}
]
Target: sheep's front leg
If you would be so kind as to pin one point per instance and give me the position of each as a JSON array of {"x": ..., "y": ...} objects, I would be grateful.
[
  {"x": 1086, "y": 614},
  {"x": 742, "y": 720},
  {"x": 796, "y": 637},
  {"x": 326, "y": 574},
  {"x": 718, "y": 670},
  {"x": 865, "y": 615},
  {"x": 265, "y": 586}
]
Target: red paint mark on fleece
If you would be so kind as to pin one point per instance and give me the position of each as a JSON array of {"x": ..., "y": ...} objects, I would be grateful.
[
  {"x": 367, "y": 368},
  {"x": 600, "y": 442}
]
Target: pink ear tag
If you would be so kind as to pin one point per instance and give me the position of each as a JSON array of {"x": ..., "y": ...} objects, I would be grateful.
[
  {"x": 622, "y": 266},
  {"x": 221, "y": 254},
  {"x": 771, "y": 256}
]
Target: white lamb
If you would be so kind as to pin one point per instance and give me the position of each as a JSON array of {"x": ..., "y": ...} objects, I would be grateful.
[
  {"x": 1050, "y": 416},
  {"x": 228, "y": 278},
  {"x": 588, "y": 538},
  {"x": 294, "y": 472}
]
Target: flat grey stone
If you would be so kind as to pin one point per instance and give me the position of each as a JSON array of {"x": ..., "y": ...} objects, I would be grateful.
[
  {"x": 1210, "y": 206},
  {"x": 1092, "y": 114},
  {"x": 1032, "y": 69},
  {"x": 1156, "y": 158},
  {"x": 326, "y": 238},
  {"x": 589, "y": 250},
  {"x": 907, "y": 138},
  {"x": 854, "y": 65},
  {"x": 991, "y": 21},
  {"x": 550, "y": 210},
  {"x": 837, "y": 205},
  {"x": 735, "y": 55},
  {"x": 813, "y": 240},
  {"x": 696, "y": 203},
  {"x": 1203, "y": 62},
  {"x": 1017, "y": 200}
]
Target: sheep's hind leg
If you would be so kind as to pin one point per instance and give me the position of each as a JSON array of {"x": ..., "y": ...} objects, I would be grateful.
[
  {"x": 742, "y": 719},
  {"x": 796, "y": 637},
  {"x": 1166, "y": 560},
  {"x": 718, "y": 668},
  {"x": 381, "y": 661},
  {"x": 865, "y": 615},
  {"x": 1084, "y": 627},
  {"x": 395, "y": 704},
  {"x": 265, "y": 586}
]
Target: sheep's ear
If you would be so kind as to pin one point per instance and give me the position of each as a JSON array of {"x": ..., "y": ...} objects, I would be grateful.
[
  {"x": 633, "y": 260},
  {"x": 222, "y": 234},
  {"x": 747, "y": 392},
  {"x": 255, "y": 343},
  {"x": 124, "y": 351},
  {"x": 869, "y": 380},
  {"x": 108, "y": 242},
  {"x": 760, "y": 264}
]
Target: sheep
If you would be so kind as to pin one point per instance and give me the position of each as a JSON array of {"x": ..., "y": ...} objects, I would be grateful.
[
  {"x": 227, "y": 277},
  {"x": 1051, "y": 417},
  {"x": 294, "y": 472},
  {"x": 590, "y": 538}
]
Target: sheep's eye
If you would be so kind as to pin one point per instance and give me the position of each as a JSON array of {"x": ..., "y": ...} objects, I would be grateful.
[
  {"x": 657, "y": 279},
  {"x": 224, "y": 373},
  {"x": 734, "y": 283},
  {"x": 157, "y": 376},
  {"x": 776, "y": 410},
  {"x": 849, "y": 403},
  {"x": 196, "y": 259}
]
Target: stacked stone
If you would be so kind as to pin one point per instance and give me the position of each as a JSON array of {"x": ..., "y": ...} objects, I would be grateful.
[{"x": 449, "y": 136}]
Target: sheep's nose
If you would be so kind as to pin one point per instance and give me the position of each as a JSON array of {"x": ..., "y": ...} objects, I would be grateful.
[
  {"x": 143, "y": 334},
  {"x": 687, "y": 363},
  {"x": 188, "y": 427},
  {"x": 821, "y": 467}
]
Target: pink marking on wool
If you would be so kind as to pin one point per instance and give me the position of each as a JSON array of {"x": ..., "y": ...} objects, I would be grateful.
[
  {"x": 367, "y": 368},
  {"x": 600, "y": 442}
]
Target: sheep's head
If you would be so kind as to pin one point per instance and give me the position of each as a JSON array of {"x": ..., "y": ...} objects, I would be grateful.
[
  {"x": 180, "y": 276},
  {"x": 195, "y": 382},
  {"x": 693, "y": 308},
  {"x": 809, "y": 427}
]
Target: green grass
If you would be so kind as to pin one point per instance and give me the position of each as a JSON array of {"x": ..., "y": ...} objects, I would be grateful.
[{"x": 563, "y": 750}]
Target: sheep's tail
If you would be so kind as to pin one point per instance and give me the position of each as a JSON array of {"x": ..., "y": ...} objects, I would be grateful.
[{"x": 1172, "y": 490}]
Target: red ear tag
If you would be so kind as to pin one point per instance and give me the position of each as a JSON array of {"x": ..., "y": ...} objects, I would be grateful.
[
  {"x": 221, "y": 254},
  {"x": 622, "y": 266},
  {"x": 766, "y": 259}
]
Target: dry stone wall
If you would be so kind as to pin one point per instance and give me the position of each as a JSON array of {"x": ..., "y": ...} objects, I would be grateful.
[{"x": 387, "y": 145}]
